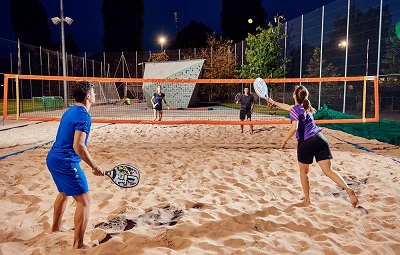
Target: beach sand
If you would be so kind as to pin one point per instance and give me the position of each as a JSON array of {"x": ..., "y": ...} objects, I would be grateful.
[{"x": 203, "y": 190}]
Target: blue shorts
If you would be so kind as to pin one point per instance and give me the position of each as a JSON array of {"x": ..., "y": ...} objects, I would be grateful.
[{"x": 68, "y": 177}]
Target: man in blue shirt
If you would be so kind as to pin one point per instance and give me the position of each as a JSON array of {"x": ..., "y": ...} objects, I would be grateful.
[{"x": 63, "y": 162}]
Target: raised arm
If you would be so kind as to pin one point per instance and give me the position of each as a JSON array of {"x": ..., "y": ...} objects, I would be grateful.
[{"x": 280, "y": 105}]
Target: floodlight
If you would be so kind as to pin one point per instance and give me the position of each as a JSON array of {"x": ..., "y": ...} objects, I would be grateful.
[
  {"x": 68, "y": 20},
  {"x": 55, "y": 20}
]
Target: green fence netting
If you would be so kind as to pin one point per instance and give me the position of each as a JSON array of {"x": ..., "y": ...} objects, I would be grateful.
[{"x": 384, "y": 130}]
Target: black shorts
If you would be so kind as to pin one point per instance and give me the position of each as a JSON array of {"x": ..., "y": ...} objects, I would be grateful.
[
  {"x": 158, "y": 108},
  {"x": 244, "y": 113},
  {"x": 316, "y": 146}
]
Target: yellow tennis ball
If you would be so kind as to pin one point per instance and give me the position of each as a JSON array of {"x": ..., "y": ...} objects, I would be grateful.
[{"x": 250, "y": 21}]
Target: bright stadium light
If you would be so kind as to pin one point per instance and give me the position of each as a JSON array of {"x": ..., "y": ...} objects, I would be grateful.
[
  {"x": 55, "y": 20},
  {"x": 162, "y": 40},
  {"x": 342, "y": 44},
  {"x": 69, "y": 21}
]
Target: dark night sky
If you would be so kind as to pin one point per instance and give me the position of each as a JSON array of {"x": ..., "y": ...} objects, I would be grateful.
[{"x": 87, "y": 28}]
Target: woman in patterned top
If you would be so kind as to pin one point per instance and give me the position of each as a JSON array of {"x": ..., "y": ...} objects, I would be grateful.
[{"x": 311, "y": 143}]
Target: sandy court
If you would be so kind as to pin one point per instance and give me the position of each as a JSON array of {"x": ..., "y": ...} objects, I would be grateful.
[{"x": 203, "y": 190}]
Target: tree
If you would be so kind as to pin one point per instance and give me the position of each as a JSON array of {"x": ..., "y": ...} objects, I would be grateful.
[
  {"x": 220, "y": 63},
  {"x": 239, "y": 18},
  {"x": 391, "y": 61},
  {"x": 123, "y": 25},
  {"x": 192, "y": 36},
  {"x": 71, "y": 46},
  {"x": 30, "y": 23},
  {"x": 158, "y": 57},
  {"x": 264, "y": 54},
  {"x": 328, "y": 89},
  {"x": 314, "y": 66},
  {"x": 364, "y": 26}
]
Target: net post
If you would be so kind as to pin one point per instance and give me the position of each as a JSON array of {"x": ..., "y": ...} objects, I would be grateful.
[
  {"x": 17, "y": 95},
  {"x": 376, "y": 85},
  {"x": 364, "y": 99},
  {"x": 5, "y": 96}
]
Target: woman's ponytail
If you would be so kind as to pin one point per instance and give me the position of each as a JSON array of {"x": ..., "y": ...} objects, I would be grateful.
[{"x": 307, "y": 106}]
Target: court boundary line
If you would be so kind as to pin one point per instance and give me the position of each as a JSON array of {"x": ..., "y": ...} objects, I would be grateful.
[
  {"x": 365, "y": 149},
  {"x": 38, "y": 146}
]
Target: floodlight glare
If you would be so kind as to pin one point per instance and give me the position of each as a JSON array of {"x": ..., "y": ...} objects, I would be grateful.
[{"x": 342, "y": 44}]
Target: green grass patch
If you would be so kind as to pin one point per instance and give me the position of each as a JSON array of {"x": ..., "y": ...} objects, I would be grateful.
[{"x": 30, "y": 105}]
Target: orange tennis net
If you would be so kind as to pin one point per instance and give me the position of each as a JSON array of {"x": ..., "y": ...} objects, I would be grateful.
[{"x": 190, "y": 101}]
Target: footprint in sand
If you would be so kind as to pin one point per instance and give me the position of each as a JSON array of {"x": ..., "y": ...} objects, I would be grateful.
[{"x": 165, "y": 216}]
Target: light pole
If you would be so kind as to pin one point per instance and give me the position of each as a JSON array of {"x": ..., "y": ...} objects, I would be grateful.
[
  {"x": 366, "y": 65},
  {"x": 69, "y": 21},
  {"x": 345, "y": 44},
  {"x": 142, "y": 64},
  {"x": 162, "y": 40}
]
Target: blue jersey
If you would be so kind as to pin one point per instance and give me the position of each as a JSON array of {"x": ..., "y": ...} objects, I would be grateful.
[
  {"x": 75, "y": 118},
  {"x": 158, "y": 99},
  {"x": 306, "y": 125}
]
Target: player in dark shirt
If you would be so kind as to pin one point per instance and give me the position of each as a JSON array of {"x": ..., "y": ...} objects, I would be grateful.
[
  {"x": 247, "y": 104},
  {"x": 157, "y": 101}
]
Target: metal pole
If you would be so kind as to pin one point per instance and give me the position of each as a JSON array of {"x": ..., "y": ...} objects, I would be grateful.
[
  {"x": 284, "y": 67},
  {"x": 366, "y": 65},
  {"x": 301, "y": 45},
  {"x": 320, "y": 56},
  {"x": 64, "y": 64},
  {"x": 136, "y": 65},
  {"x": 379, "y": 40},
  {"x": 41, "y": 67},
  {"x": 58, "y": 72},
  {"x": 72, "y": 65},
  {"x": 48, "y": 71},
  {"x": 12, "y": 81},
  {"x": 235, "y": 54},
  {"x": 19, "y": 72},
  {"x": 85, "y": 63},
  {"x": 104, "y": 59},
  {"x": 242, "y": 62},
  {"x": 347, "y": 53},
  {"x": 30, "y": 73}
]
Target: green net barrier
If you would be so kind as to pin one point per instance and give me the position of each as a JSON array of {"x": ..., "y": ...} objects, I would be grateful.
[{"x": 384, "y": 130}]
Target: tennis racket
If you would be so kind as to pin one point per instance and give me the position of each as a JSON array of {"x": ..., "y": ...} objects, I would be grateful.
[
  {"x": 154, "y": 105},
  {"x": 124, "y": 176},
  {"x": 238, "y": 97},
  {"x": 261, "y": 88}
]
